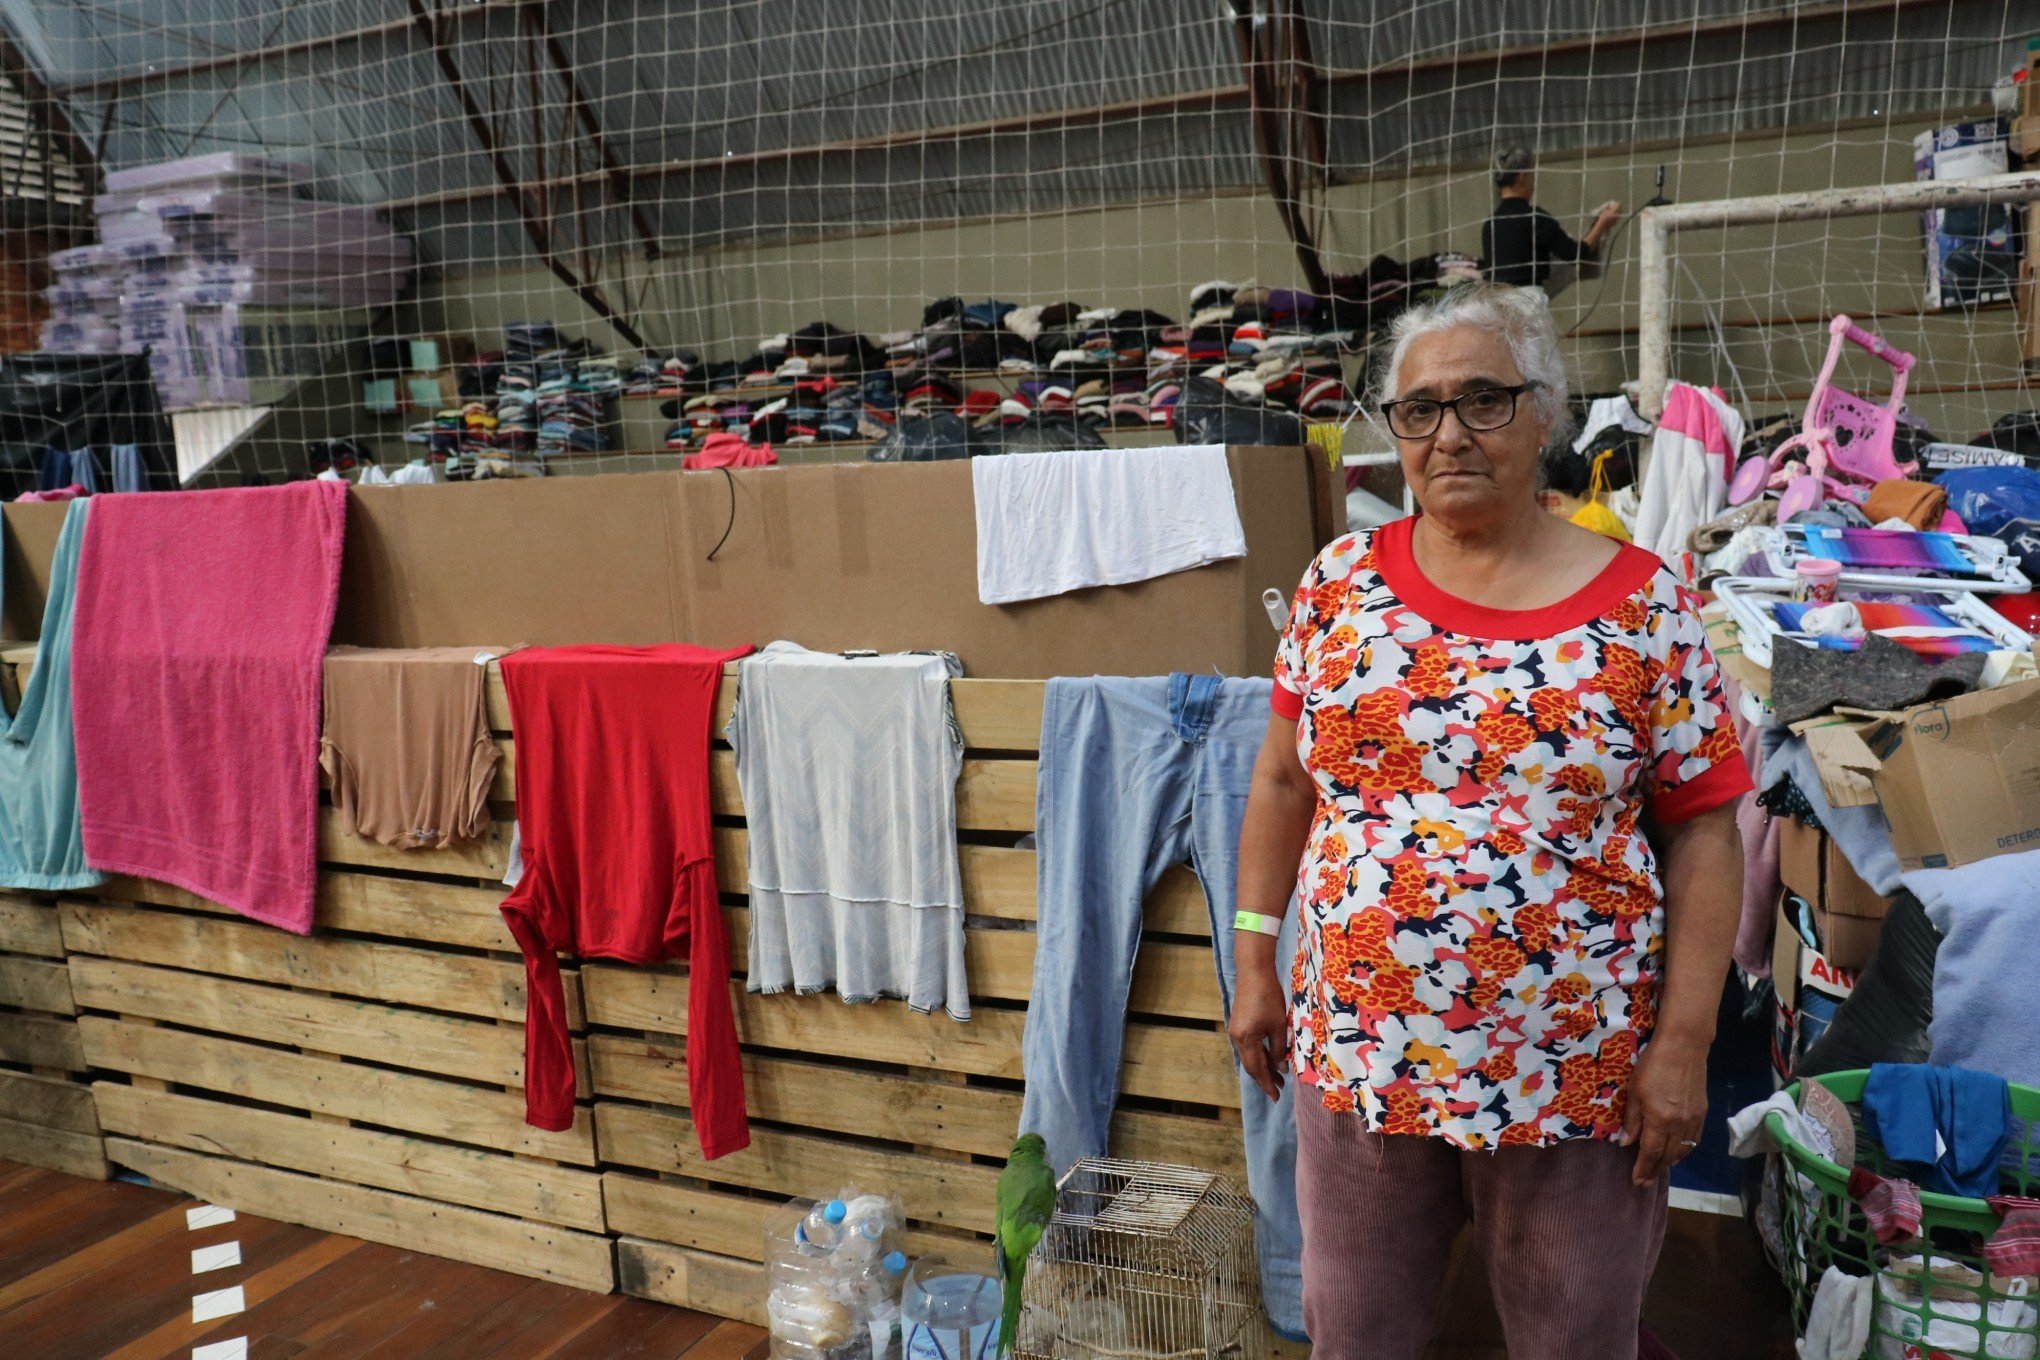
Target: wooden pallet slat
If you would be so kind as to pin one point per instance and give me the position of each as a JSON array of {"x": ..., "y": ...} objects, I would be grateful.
[
  {"x": 41, "y": 1041},
  {"x": 74, "y": 1154},
  {"x": 369, "y": 904},
  {"x": 467, "y": 983},
  {"x": 725, "y": 1223},
  {"x": 542, "y": 1251},
  {"x": 388, "y": 1161},
  {"x": 47, "y": 1102},
  {"x": 1165, "y": 1062},
  {"x": 487, "y": 857},
  {"x": 691, "y": 1279},
  {"x": 991, "y": 795},
  {"x": 1168, "y": 979},
  {"x": 29, "y": 927},
  {"x": 956, "y": 1194},
  {"x": 35, "y": 985},
  {"x": 373, "y": 1095},
  {"x": 907, "y": 1108},
  {"x": 993, "y": 715},
  {"x": 445, "y": 1045},
  {"x": 998, "y": 882}
]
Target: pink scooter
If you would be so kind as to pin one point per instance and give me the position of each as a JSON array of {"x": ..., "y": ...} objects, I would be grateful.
[{"x": 1844, "y": 444}]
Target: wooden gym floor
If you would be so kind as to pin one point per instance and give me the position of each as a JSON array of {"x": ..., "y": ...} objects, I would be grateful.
[
  {"x": 92, "y": 1270},
  {"x": 102, "y": 1271}
]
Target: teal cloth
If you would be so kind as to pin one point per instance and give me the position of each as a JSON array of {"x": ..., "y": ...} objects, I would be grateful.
[{"x": 42, "y": 842}]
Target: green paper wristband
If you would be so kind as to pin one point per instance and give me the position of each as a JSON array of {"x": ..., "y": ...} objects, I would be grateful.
[{"x": 1256, "y": 922}]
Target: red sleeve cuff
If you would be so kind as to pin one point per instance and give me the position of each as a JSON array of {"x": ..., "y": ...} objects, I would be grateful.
[
  {"x": 1286, "y": 702},
  {"x": 1706, "y": 791}
]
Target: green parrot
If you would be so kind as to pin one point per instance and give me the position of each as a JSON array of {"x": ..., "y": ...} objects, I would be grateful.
[{"x": 1026, "y": 1203}]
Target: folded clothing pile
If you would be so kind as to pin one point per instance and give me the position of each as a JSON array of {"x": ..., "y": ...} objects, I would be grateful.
[
  {"x": 570, "y": 417},
  {"x": 1103, "y": 367}
]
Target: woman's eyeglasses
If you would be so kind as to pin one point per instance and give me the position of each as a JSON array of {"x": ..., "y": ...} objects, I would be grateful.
[{"x": 1483, "y": 409}]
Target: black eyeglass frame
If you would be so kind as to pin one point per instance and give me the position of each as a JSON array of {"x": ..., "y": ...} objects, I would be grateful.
[{"x": 1515, "y": 392}]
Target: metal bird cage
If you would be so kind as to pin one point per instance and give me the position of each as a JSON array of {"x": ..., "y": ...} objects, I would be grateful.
[{"x": 1142, "y": 1261}]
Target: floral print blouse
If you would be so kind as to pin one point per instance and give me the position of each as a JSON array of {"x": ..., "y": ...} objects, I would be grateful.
[{"x": 1482, "y": 934}]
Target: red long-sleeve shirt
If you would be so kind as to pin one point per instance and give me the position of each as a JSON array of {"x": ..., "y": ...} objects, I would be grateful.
[{"x": 613, "y": 810}]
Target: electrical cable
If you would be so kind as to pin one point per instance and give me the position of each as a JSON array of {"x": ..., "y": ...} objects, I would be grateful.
[
  {"x": 1607, "y": 257},
  {"x": 731, "y": 479},
  {"x": 1656, "y": 200}
]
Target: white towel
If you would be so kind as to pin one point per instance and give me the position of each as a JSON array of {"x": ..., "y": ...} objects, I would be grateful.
[
  {"x": 1838, "y": 1323},
  {"x": 1054, "y": 522},
  {"x": 1747, "y": 1135}
]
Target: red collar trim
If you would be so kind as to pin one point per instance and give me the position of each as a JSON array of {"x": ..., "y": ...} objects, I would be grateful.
[{"x": 1626, "y": 574}]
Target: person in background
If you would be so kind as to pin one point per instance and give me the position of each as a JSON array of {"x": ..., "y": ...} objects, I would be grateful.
[
  {"x": 1500, "y": 783},
  {"x": 1524, "y": 245}
]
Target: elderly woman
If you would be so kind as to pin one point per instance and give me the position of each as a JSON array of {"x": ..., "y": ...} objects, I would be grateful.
[{"x": 1501, "y": 756}]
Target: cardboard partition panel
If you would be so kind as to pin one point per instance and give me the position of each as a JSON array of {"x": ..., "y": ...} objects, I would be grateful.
[
  {"x": 831, "y": 556},
  {"x": 835, "y": 556},
  {"x": 31, "y": 542}
]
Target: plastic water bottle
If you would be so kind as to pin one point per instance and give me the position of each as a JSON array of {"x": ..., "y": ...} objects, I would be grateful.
[
  {"x": 949, "y": 1311},
  {"x": 822, "y": 1229},
  {"x": 882, "y": 1311}
]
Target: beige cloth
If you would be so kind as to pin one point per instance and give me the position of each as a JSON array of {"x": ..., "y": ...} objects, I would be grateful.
[{"x": 406, "y": 748}]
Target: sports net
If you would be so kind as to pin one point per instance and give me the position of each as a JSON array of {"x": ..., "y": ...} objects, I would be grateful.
[{"x": 511, "y": 237}]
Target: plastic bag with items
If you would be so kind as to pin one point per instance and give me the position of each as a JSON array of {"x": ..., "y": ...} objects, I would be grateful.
[
  {"x": 1208, "y": 414},
  {"x": 928, "y": 438},
  {"x": 833, "y": 1272}
]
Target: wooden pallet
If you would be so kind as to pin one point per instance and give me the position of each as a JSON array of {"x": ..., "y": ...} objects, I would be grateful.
[
  {"x": 874, "y": 1094},
  {"x": 46, "y": 1109},
  {"x": 46, "y": 1112},
  {"x": 365, "y": 1080}
]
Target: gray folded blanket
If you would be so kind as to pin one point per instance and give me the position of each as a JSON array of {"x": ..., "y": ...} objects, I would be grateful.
[{"x": 1881, "y": 675}]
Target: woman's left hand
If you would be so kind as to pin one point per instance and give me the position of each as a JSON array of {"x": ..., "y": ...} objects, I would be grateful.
[{"x": 1667, "y": 1106}]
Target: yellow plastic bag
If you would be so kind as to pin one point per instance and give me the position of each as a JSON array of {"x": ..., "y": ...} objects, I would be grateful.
[{"x": 1594, "y": 515}]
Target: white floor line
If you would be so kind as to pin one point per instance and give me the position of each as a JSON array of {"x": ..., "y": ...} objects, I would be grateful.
[
  {"x": 1706, "y": 1202},
  {"x": 218, "y": 1303},
  {"x": 215, "y": 1258},
  {"x": 207, "y": 1216},
  {"x": 236, "y": 1349}
]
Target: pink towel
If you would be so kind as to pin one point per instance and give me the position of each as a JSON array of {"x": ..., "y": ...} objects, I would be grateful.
[{"x": 195, "y": 662}]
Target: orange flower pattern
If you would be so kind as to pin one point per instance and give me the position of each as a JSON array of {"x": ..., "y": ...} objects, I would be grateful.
[{"x": 1482, "y": 931}]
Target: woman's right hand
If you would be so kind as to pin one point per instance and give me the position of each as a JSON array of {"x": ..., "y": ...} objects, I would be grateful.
[{"x": 1259, "y": 1028}]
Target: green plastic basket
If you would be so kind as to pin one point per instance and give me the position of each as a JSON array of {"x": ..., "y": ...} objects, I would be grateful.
[{"x": 1957, "y": 1319}]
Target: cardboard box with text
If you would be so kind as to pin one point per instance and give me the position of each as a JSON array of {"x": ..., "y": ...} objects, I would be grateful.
[{"x": 1959, "y": 780}]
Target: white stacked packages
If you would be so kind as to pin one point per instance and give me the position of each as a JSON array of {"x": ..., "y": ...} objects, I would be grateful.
[{"x": 237, "y": 288}]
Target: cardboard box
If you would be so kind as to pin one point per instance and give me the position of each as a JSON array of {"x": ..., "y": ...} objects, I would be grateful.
[
  {"x": 1972, "y": 251},
  {"x": 1848, "y": 941},
  {"x": 1810, "y": 989},
  {"x": 1799, "y": 856},
  {"x": 1785, "y": 948},
  {"x": 1959, "y": 781},
  {"x": 2026, "y": 134},
  {"x": 1724, "y": 639},
  {"x": 1821, "y": 979},
  {"x": 1847, "y": 914}
]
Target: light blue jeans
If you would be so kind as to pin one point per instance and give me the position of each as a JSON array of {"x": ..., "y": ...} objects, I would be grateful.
[{"x": 1136, "y": 775}]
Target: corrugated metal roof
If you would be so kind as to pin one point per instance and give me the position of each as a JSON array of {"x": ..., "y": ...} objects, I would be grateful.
[{"x": 674, "y": 83}]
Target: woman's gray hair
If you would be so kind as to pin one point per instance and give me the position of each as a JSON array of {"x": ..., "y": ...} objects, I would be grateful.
[{"x": 1519, "y": 315}]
